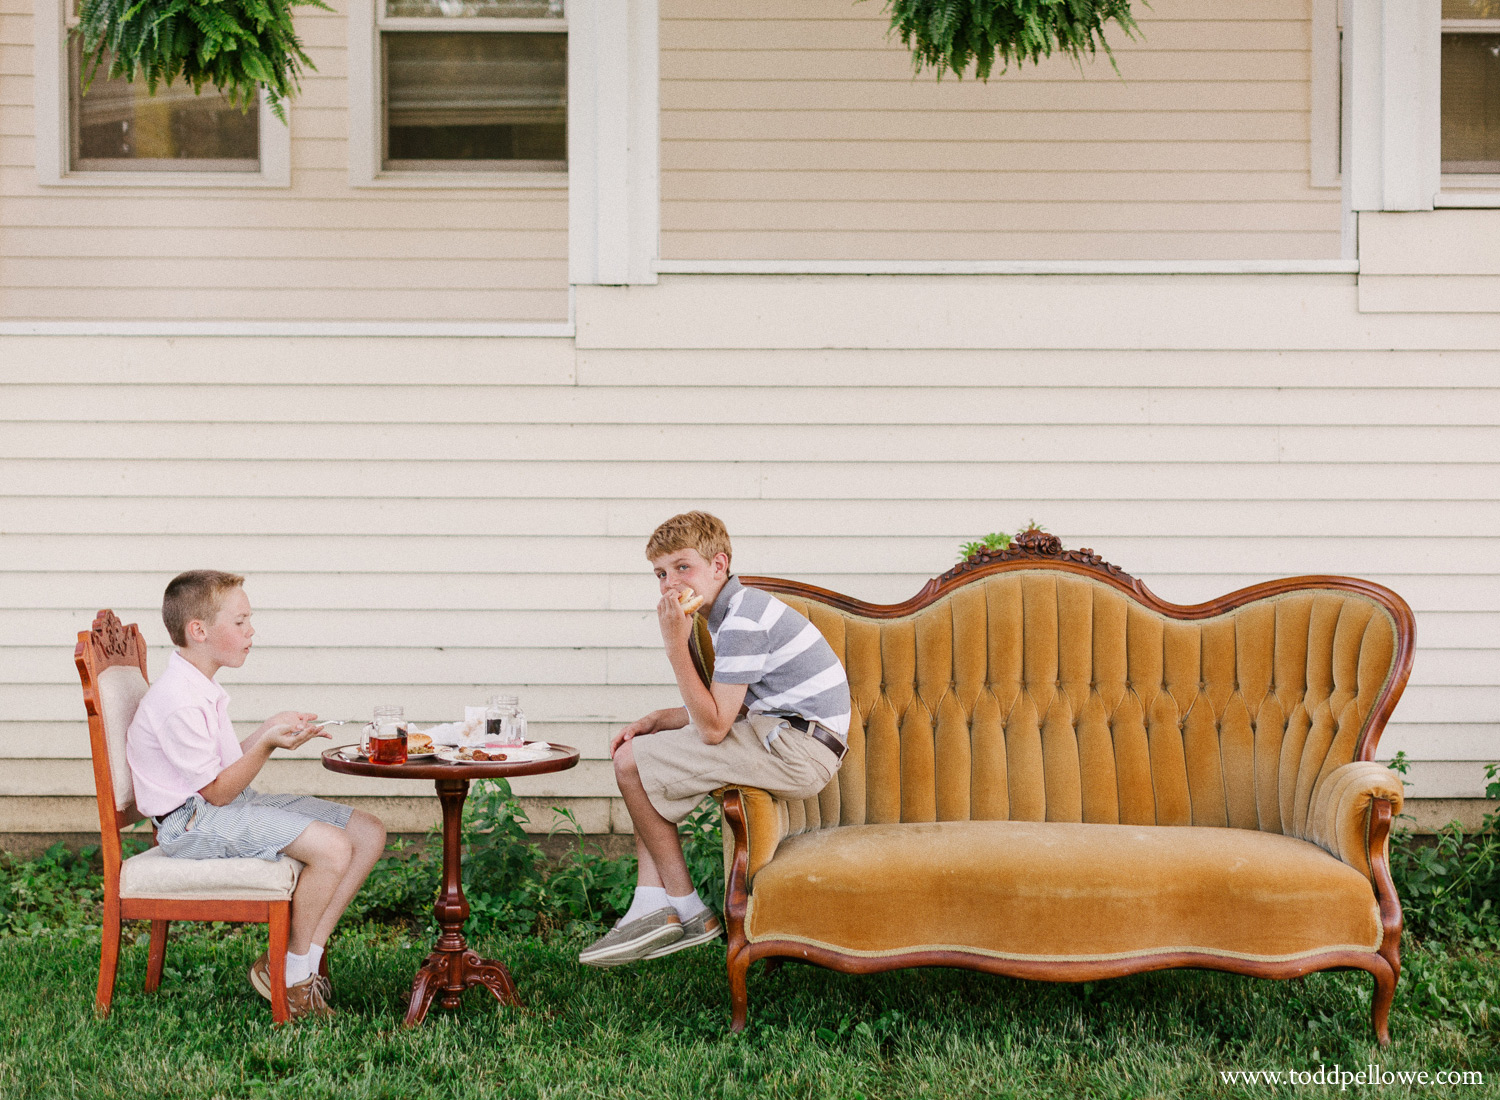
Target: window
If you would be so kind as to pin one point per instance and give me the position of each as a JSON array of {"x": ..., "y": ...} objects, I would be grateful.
[
  {"x": 468, "y": 86},
  {"x": 114, "y": 133},
  {"x": 1471, "y": 89},
  {"x": 115, "y": 125}
]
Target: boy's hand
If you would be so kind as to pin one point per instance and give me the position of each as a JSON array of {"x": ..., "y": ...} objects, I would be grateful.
[
  {"x": 676, "y": 624},
  {"x": 291, "y": 735},
  {"x": 637, "y": 728}
]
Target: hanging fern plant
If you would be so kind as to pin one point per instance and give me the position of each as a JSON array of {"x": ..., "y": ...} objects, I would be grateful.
[
  {"x": 238, "y": 46},
  {"x": 949, "y": 35}
]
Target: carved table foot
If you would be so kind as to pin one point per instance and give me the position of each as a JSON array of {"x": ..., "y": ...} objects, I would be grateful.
[{"x": 447, "y": 974}]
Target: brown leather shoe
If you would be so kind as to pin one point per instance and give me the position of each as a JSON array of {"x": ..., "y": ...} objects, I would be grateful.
[
  {"x": 260, "y": 978},
  {"x": 306, "y": 999},
  {"x": 260, "y": 975}
]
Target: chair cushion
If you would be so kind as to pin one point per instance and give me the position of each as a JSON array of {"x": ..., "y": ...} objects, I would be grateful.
[
  {"x": 1061, "y": 890},
  {"x": 154, "y": 875},
  {"x": 120, "y": 690}
]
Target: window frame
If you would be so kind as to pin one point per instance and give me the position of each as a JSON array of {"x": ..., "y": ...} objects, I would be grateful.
[
  {"x": 1455, "y": 187},
  {"x": 367, "y": 108},
  {"x": 53, "y": 99}
]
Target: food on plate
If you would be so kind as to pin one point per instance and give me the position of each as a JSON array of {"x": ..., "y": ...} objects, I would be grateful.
[
  {"x": 479, "y": 754},
  {"x": 689, "y": 600},
  {"x": 418, "y": 744}
]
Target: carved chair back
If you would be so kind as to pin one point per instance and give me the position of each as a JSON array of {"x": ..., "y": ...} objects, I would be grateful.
[
  {"x": 111, "y": 660},
  {"x": 1041, "y": 685}
]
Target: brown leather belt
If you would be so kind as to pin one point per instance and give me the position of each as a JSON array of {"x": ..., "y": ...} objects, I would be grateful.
[{"x": 820, "y": 733}]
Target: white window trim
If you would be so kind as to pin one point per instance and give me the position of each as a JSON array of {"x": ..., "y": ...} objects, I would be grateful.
[
  {"x": 1394, "y": 84},
  {"x": 367, "y": 118},
  {"x": 52, "y": 97},
  {"x": 1469, "y": 189}
]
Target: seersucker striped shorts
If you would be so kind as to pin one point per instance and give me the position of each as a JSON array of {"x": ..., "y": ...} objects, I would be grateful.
[{"x": 254, "y": 825}]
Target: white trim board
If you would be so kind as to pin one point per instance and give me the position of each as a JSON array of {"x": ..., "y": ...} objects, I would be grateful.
[
  {"x": 287, "y": 328},
  {"x": 614, "y": 163},
  {"x": 1007, "y": 267}
]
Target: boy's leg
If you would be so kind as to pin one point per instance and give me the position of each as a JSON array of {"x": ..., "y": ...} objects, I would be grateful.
[
  {"x": 326, "y": 853},
  {"x": 366, "y": 835},
  {"x": 656, "y": 842}
]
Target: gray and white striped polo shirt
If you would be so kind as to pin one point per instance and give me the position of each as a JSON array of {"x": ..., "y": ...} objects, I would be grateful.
[{"x": 789, "y": 667}]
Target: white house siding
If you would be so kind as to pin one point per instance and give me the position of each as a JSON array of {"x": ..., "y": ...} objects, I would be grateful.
[
  {"x": 794, "y": 129},
  {"x": 424, "y": 536},
  {"x": 317, "y": 251}
]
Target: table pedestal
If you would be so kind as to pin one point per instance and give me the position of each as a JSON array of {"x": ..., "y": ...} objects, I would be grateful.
[{"x": 452, "y": 968}]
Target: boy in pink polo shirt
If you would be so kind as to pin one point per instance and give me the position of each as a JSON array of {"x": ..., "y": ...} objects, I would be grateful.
[{"x": 192, "y": 778}]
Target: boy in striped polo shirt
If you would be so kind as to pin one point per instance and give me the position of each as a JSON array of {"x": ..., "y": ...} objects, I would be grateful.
[{"x": 776, "y": 716}]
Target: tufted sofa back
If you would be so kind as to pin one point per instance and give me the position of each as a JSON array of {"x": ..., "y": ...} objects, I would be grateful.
[{"x": 1043, "y": 694}]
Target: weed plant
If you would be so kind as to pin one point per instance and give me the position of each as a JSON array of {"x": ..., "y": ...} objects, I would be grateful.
[
  {"x": 1450, "y": 888},
  {"x": 510, "y": 884}
]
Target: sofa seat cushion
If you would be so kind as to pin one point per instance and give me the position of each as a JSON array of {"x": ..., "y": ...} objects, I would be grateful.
[
  {"x": 153, "y": 875},
  {"x": 1061, "y": 890}
]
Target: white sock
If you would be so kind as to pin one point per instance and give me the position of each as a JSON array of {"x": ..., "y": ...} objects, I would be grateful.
[
  {"x": 687, "y": 907},
  {"x": 298, "y": 968},
  {"x": 648, "y": 899},
  {"x": 315, "y": 956}
]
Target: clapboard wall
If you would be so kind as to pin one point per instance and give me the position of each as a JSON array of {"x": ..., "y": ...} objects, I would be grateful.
[
  {"x": 315, "y": 251},
  {"x": 795, "y": 130},
  {"x": 423, "y": 540}
]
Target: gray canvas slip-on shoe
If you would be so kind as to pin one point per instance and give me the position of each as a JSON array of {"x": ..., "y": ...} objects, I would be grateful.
[
  {"x": 695, "y": 930},
  {"x": 628, "y": 943}
]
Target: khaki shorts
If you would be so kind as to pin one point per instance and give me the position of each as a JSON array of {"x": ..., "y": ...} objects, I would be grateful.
[{"x": 677, "y": 769}]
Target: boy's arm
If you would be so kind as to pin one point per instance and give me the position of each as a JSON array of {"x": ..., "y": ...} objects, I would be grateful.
[
  {"x": 712, "y": 710},
  {"x": 230, "y": 783},
  {"x": 673, "y": 718}
]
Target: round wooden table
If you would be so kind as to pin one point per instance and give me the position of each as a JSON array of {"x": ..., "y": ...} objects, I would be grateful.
[{"x": 452, "y": 968}]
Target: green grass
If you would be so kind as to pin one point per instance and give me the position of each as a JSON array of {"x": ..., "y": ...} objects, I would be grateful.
[{"x": 661, "y": 1030}]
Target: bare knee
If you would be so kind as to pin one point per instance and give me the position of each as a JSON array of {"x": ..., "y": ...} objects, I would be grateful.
[
  {"x": 323, "y": 846},
  {"x": 625, "y": 767},
  {"x": 367, "y": 832}
]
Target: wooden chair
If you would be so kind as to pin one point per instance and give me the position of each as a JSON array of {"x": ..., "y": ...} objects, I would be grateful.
[{"x": 111, "y": 661}]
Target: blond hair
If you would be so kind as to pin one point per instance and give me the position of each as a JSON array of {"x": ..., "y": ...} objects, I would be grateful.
[
  {"x": 195, "y": 595},
  {"x": 690, "y": 531}
]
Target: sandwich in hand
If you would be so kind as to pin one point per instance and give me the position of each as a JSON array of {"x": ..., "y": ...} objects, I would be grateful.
[{"x": 689, "y": 600}]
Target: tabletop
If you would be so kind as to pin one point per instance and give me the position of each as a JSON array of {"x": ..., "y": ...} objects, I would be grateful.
[{"x": 559, "y": 759}]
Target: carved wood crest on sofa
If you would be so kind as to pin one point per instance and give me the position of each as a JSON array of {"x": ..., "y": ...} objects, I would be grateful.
[{"x": 1054, "y": 774}]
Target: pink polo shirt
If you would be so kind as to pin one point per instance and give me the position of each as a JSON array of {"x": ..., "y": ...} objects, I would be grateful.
[{"x": 180, "y": 739}]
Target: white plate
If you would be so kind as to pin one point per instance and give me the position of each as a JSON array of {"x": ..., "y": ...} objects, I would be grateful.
[
  {"x": 514, "y": 754},
  {"x": 351, "y": 752}
]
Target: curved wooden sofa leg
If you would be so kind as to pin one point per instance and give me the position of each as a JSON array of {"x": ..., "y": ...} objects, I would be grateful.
[
  {"x": 771, "y": 964},
  {"x": 739, "y": 993},
  {"x": 1382, "y": 813},
  {"x": 736, "y": 901},
  {"x": 1380, "y": 1004}
]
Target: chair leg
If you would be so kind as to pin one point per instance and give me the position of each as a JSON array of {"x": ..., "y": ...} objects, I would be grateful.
[
  {"x": 109, "y": 956},
  {"x": 281, "y": 927},
  {"x": 158, "y": 955},
  {"x": 739, "y": 995}
]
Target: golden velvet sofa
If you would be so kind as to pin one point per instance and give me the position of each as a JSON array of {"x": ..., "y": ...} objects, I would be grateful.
[{"x": 1054, "y": 774}]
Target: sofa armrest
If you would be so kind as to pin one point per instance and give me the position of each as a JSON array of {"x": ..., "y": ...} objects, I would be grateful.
[
  {"x": 764, "y": 821},
  {"x": 1340, "y": 816}
]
